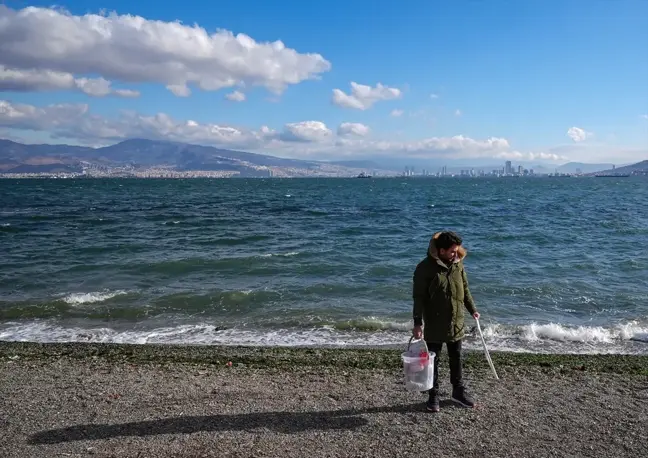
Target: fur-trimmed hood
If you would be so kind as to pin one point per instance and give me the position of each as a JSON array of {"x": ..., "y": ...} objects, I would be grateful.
[{"x": 433, "y": 253}]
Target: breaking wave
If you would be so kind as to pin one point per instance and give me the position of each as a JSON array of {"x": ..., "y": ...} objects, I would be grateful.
[
  {"x": 91, "y": 298},
  {"x": 626, "y": 338}
]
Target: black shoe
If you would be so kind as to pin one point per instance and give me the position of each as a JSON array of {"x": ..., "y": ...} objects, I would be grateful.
[
  {"x": 459, "y": 395},
  {"x": 433, "y": 403}
]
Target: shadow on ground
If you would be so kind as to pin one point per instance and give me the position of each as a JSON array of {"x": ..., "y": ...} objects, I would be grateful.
[{"x": 282, "y": 422}]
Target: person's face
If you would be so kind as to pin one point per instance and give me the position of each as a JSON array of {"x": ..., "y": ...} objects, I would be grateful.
[{"x": 449, "y": 255}]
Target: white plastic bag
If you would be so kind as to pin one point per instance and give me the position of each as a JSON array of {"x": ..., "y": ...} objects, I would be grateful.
[{"x": 418, "y": 366}]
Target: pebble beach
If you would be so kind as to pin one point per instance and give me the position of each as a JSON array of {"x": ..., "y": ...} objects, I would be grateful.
[{"x": 160, "y": 401}]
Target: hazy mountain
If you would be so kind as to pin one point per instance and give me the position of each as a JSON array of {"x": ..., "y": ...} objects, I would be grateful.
[
  {"x": 20, "y": 158},
  {"x": 574, "y": 167},
  {"x": 186, "y": 156},
  {"x": 638, "y": 167},
  {"x": 361, "y": 164}
]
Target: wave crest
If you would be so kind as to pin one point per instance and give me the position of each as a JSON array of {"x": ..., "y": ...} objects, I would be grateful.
[{"x": 91, "y": 298}]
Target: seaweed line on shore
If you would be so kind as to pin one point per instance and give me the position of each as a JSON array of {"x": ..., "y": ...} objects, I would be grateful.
[{"x": 298, "y": 358}]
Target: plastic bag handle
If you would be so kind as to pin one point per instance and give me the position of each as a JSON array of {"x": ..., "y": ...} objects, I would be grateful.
[{"x": 409, "y": 344}]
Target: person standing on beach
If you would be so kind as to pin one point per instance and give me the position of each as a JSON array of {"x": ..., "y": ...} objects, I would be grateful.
[{"x": 440, "y": 293}]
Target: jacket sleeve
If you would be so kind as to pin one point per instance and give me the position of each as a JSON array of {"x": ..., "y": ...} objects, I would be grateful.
[
  {"x": 468, "y": 299},
  {"x": 420, "y": 294}
]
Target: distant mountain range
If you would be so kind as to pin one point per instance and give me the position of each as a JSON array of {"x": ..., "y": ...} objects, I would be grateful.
[
  {"x": 580, "y": 167},
  {"x": 142, "y": 155},
  {"x": 639, "y": 167},
  {"x": 149, "y": 154}
]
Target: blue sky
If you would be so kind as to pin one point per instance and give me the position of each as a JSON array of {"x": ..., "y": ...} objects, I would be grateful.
[{"x": 521, "y": 73}]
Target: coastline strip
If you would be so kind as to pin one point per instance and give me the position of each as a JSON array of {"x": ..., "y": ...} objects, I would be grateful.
[{"x": 288, "y": 358}]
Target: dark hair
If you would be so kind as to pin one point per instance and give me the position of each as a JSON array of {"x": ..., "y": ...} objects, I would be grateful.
[{"x": 446, "y": 239}]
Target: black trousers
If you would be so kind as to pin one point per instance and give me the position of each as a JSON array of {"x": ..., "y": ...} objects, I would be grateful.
[{"x": 454, "y": 355}]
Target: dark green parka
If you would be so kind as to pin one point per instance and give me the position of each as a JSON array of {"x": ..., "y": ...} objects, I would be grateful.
[{"x": 440, "y": 294}]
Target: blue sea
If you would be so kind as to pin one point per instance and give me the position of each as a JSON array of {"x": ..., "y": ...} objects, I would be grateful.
[{"x": 556, "y": 265}]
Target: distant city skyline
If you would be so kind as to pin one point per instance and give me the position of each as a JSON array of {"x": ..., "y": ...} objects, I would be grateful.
[
  {"x": 508, "y": 169},
  {"x": 451, "y": 83}
]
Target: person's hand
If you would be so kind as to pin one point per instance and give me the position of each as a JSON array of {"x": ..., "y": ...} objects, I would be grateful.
[
  {"x": 476, "y": 315},
  {"x": 417, "y": 332}
]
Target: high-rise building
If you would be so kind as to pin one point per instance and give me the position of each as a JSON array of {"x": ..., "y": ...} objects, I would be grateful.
[{"x": 508, "y": 169}]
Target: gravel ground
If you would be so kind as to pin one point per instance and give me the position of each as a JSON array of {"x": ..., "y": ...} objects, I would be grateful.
[{"x": 82, "y": 407}]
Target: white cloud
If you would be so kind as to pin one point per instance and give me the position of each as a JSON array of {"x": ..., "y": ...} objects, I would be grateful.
[
  {"x": 128, "y": 93},
  {"x": 644, "y": 116},
  {"x": 179, "y": 90},
  {"x": 306, "y": 131},
  {"x": 577, "y": 134},
  {"x": 49, "y": 118},
  {"x": 363, "y": 97},
  {"x": 397, "y": 113},
  {"x": 135, "y": 49},
  {"x": 300, "y": 139},
  {"x": 48, "y": 80},
  {"x": 96, "y": 87},
  {"x": 434, "y": 96},
  {"x": 353, "y": 129},
  {"x": 236, "y": 96},
  {"x": 458, "y": 112},
  {"x": 530, "y": 156}
]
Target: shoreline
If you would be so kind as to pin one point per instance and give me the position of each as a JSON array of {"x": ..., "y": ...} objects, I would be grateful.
[{"x": 288, "y": 358}]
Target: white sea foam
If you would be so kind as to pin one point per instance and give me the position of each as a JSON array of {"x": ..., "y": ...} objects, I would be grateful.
[
  {"x": 201, "y": 334},
  {"x": 560, "y": 333},
  {"x": 91, "y": 298},
  {"x": 552, "y": 338},
  {"x": 285, "y": 255}
]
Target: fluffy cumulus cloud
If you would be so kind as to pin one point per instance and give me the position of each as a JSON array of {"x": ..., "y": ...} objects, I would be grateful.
[
  {"x": 52, "y": 118},
  {"x": 577, "y": 134},
  {"x": 47, "y": 48},
  {"x": 531, "y": 156},
  {"x": 49, "y": 80},
  {"x": 306, "y": 131},
  {"x": 363, "y": 97},
  {"x": 74, "y": 122},
  {"x": 349, "y": 129},
  {"x": 236, "y": 96}
]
